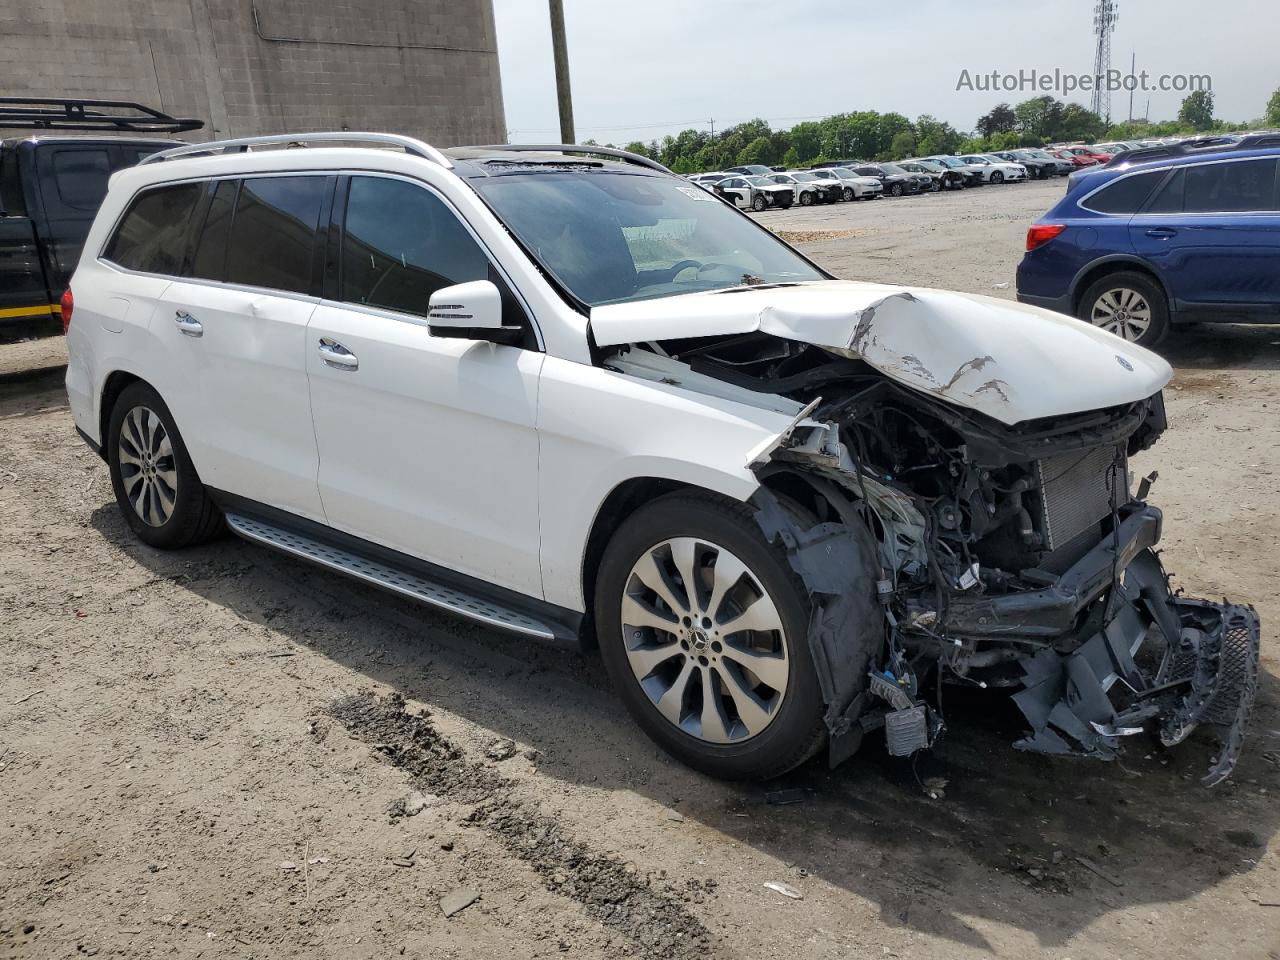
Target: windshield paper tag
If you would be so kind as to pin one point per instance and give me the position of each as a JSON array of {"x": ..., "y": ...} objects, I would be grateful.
[{"x": 696, "y": 192}]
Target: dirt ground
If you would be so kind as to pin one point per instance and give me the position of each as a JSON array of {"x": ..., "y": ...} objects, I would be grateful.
[{"x": 206, "y": 753}]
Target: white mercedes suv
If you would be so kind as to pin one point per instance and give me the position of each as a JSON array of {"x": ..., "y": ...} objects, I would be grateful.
[{"x": 564, "y": 392}]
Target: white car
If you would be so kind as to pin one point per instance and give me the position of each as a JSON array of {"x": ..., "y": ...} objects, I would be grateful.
[
  {"x": 993, "y": 169},
  {"x": 578, "y": 397},
  {"x": 852, "y": 186},
  {"x": 759, "y": 193}
]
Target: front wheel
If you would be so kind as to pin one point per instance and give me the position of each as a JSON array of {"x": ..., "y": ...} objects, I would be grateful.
[
  {"x": 759, "y": 203},
  {"x": 997, "y": 176},
  {"x": 702, "y": 626},
  {"x": 896, "y": 190},
  {"x": 1130, "y": 305},
  {"x": 847, "y": 194},
  {"x": 155, "y": 482},
  {"x": 806, "y": 199}
]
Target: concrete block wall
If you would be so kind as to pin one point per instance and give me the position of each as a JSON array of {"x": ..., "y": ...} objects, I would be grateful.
[{"x": 428, "y": 68}]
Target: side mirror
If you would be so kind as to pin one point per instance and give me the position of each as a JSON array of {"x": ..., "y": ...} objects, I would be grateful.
[{"x": 470, "y": 311}]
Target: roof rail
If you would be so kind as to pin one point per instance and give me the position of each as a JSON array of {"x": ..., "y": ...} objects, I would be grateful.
[
  {"x": 242, "y": 145},
  {"x": 576, "y": 148},
  {"x": 62, "y": 113},
  {"x": 1198, "y": 145}
]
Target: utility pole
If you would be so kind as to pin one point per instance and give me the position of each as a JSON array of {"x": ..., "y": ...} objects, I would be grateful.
[
  {"x": 561, "y": 53},
  {"x": 1133, "y": 69}
]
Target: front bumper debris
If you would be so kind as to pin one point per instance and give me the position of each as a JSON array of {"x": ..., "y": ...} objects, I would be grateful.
[{"x": 1157, "y": 662}]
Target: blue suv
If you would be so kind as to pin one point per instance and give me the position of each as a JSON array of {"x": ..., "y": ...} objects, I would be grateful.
[{"x": 1163, "y": 235}]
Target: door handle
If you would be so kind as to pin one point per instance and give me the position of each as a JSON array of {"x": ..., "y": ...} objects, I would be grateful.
[
  {"x": 337, "y": 356},
  {"x": 1162, "y": 233},
  {"x": 188, "y": 324}
]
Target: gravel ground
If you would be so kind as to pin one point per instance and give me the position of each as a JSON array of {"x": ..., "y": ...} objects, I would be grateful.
[{"x": 223, "y": 752}]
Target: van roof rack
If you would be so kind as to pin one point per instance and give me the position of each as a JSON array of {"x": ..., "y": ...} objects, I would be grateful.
[
  {"x": 61, "y": 113},
  {"x": 243, "y": 144},
  {"x": 583, "y": 149},
  {"x": 1198, "y": 145}
]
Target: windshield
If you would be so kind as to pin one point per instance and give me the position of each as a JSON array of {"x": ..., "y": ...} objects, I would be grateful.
[
  {"x": 892, "y": 169},
  {"x": 843, "y": 172},
  {"x": 947, "y": 161},
  {"x": 760, "y": 181},
  {"x": 804, "y": 177},
  {"x": 613, "y": 237}
]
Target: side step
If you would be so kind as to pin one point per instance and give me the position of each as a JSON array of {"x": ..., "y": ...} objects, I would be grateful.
[{"x": 388, "y": 577}]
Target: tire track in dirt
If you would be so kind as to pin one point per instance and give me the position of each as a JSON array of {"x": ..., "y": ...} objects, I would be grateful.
[{"x": 610, "y": 891}]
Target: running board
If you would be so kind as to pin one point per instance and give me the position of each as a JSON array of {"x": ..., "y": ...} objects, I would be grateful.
[{"x": 387, "y": 577}]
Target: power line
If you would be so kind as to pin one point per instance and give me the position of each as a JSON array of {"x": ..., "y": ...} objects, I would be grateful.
[{"x": 684, "y": 124}]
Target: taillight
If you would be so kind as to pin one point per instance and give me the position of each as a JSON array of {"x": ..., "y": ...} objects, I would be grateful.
[
  {"x": 1041, "y": 233},
  {"x": 68, "y": 304}
]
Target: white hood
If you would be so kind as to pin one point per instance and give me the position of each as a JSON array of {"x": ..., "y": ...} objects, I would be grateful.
[{"x": 1007, "y": 360}]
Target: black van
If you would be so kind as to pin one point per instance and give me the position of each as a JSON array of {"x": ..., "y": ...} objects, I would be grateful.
[{"x": 50, "y": 188}]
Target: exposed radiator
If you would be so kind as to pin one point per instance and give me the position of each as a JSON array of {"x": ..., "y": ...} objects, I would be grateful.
[{"x": 1075, "y": 490}]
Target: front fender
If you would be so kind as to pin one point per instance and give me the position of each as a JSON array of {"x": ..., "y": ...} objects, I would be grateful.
[{"x": 599, "y": 429}]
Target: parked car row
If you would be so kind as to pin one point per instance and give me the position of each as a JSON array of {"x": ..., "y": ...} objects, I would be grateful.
[{"x": 758, "y": 187}]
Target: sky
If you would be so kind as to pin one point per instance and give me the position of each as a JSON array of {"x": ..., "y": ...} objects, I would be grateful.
[{"x": 641, "y": 70}]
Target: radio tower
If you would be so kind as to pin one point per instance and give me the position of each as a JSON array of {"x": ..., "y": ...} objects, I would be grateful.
[{"x": 1105, "y": 15}]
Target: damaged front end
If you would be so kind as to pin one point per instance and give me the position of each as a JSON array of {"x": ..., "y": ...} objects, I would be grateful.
[{"x": 1004, "y": 554}]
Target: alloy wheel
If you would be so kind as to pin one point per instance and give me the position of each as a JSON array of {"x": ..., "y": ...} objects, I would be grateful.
[
  {"x": 704, "y": 640},
  {"x": 1124, "y": 312},
  {"x": 148, "y": 470}
]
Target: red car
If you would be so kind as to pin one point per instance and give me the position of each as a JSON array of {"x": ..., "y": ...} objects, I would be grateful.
[{"x": 1082, "y": 156}]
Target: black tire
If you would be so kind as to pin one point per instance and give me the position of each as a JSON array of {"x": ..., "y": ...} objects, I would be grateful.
[
  {"x": 997, "y": 176},
  {"x": 194, "y": 517},
  {"x": 1145, "y": 285},
  {"x": 796, "y": 731},
  {"x": 759, "y": 202},
  {"x": 846, "y": 194},
  {"x": 806, "y": 198},
  {"x": 895, "y": 190}
]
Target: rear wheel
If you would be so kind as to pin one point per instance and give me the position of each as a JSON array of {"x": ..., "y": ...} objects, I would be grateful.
[
  {"x": 1130, "y": 305},
  {"x": 155, "y": 483},
  {"x": 703, "y": 630},
  {"x": 759, "y": 203}
]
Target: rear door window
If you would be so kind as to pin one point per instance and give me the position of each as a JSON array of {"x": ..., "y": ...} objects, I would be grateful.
[
  {"x": 1126, "y": 195},
  {"x": 1236, "y": 187},
  {"x": 152, "y": 233},
  {"x": 209, "y": 260},
  {"x": 274, "y": 232},
  {"x": 80, "y": 177}
]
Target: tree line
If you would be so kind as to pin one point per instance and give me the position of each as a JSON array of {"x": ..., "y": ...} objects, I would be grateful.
[{"x": 870, "y": 135}]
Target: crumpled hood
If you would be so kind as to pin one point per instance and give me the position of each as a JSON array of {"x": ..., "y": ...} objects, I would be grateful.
[{"x": 1010, "y": 361}]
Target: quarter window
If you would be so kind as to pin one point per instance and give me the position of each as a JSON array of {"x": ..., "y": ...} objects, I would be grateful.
[
  {"x": 273, "y": 234},
  {"x": 1234, "y": 187},
  {"x": 1126, "y": 195},
  {"x": 401, "y": 244},
  {"x": 152, "y": 234}
]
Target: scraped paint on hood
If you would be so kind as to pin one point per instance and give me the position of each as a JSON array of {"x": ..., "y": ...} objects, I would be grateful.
[{"x": 1010, "y": 361}]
